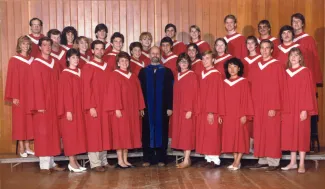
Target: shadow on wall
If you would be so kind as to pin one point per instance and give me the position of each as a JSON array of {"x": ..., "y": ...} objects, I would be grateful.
[
  {"x": 208, "y": 37},
  {"x": 248, "y": 31}
]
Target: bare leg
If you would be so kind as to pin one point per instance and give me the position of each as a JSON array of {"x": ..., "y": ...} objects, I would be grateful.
[
  {"x": 235, "y": 158},
  {"x": 238, "y": 159},
  {"x": 302, "y": 156},
  {"x": 293, "y": 158},
  {"x": 125, "y": 157},
  {"x": 72, "y": 162},
  {"x": 21, "y": 146},
  {"x": 120, "y": 160},
  {"x": 187, "y": 159}
]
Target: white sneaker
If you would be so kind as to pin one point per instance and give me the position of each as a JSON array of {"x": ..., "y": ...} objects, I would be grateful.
[
  {"x": 74, "y": 170},
  {"x": 23, "y": 155},
  {"x": 30, "y": 152}
]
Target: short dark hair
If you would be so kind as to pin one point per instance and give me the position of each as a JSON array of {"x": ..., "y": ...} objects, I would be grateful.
[
  {"x": 100, "y": 27},
  {"x": 285, "y": 28},
  {"x": 222, "y": 40},
  {"x": 234, "y": 61},
  {"x": 300, "y": 17},
  {"x": 198, "y": 55},
  {"x": 180, "y": 58},
  {"x": 166, "y": 40},
  {"x": 230, "y": 16},
  {"x": 135, "y": 44},
  {"x": 117, "y": 35},
  {"x": 96, "y": 42},
  {"x": 66, "y": 30},
  {"x": 44, "y": 39},
  {"x": 53, "y": 32},
  {"x": 31, "y": 20},
  {"x": 265, "y": 22},
  {"x": 70, "y": 53},
  {"x": 170, "y": 25},
  {"x": 120, "y": 55},
  {"x": 267, "y": 41}
]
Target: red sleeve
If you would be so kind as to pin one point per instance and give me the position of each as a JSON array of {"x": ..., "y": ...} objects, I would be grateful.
[
  {"x": 279, "y": 91},
  {"x": 191, "y": 100},
  {"x": 140, "y": 95},
  {"x": 309, "y": 102},
  {"x": 113, "y": 96},
  {"x": 216, "y": 97},
  {"x": 243, "y": 48},
  {"x": 38, "y": 88},
  {"x": 246, "y": 106},
  {"x": 65, "y": 100},
  {"x": 316, "y": 61},
  {"x": 12, "y": 83},
  {"x": 87, "y": 75},
  {"x": 110, "y": 60}
]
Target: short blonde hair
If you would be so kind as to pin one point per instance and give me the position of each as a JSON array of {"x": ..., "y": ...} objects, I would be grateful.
[
  {"x": 79, "y": 39},
  {"x": 197, "y": 28},
  {"x": 298, "y": 51},
  {"x": 20, "y": 40},
  {"x": 145, "y": 34}
]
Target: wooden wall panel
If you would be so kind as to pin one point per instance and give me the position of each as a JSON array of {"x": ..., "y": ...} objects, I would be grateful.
[{"x": 131, "y": 17}]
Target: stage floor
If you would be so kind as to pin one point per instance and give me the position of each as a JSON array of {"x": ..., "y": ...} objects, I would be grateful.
[{"x": 27, "y": 176}]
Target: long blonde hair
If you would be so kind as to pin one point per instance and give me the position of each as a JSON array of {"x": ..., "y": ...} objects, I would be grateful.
[
  {"x": 20, "y": 40},
  {"x": 298, "y": 51}
]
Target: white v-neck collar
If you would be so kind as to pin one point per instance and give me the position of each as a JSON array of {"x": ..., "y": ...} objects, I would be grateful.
[
  {"x": 221, "y": 59},
  {"x": 58, "y": 56},
  {"x": 85, "y": 59},
  {"x": 45, "y": 63},
  {"x": 33, "y": 39},
  {"x": 138, "y": 63},
  {"x": 145, "y": 54},
  {"x": 200, "y": 43},
  {"x": 204, "y": 75},
  {"x": 25, "y": 60},
  {"x": 196, "y": 61},
  {"x": 179, "y": 76},
  {"x": 73, "y": 72},
  {"x": 286, "y": 50},
  {"x": 65, "y": 47},
  {"x": 125, "y": 75},
  {"x": 291, "y": 74},
  {"x": 167, "y": 59},
  {"x": 232, "y": 38},
  {"x": 261, "y": 66},
  {"x": 300, "y": 37},
  {"x": 103, "y": 67},
  {"x": 250, "y": 61},
  {"x": 232, "y": 83}
]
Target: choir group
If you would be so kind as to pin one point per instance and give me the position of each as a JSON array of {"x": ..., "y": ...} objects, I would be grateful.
[{"x": 247, "y": 94}]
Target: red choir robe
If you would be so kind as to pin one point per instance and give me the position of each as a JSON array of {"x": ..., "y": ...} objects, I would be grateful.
[
  {"x": 238, "y": 99},
  {"x": 124, "y": 93},
  {"x": 311, "y": 57},
  {"x": 108, "y": 47},
  {"x": 283, "y": 52},
  {"x": 219, "y": 63},
  {"x": 145, "y": 57},
  {"x": 211, "y": 100},
  {"x": 203, "y": 46},
  {"x": 60, "y": 57},
  {"x": 249, "y": 61},
  {"x": 170, "y": 62},
  {"x": 95, "y": 77},
  {"x": 184, "y": 100},
  {"x": 236, "y": 45},
  {"x": 43, "y": 95},
  {"x": 197, "y": 66},
  {"x": 295, "y": 134},
  {"x": 268, "y": 93},
  {"x": 178, "y": 47},
  {"x": 70, "y": 100},
  {"x": 110, "y": 59},
  {"x": 84, "y": 58},
  {"x": 136, "y": 65},
  {"x": 276, "y": 42},
  {"x": 35, "y": 47},
  {"x": 66, "y": 47},
  {"x": 19, "y": 70}
]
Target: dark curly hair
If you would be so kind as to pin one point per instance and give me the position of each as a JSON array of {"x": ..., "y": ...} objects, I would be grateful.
[{"x": 66, "y": 30}]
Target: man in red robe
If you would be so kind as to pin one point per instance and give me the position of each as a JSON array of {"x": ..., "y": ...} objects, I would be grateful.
[
  {"x": 36, "y": 25},
  {"x": 236, "y": 41},
  {"x": 145, "y": 40},
  {"x": 101, "y": 34},
  {"x": 94, "y": 78},
  {"x": 117, "y": 41},
  {"x": 168, "y": 58},
  {"x": 58, "y": 52},
  {"x": 309, "y": 45},
  {"x": 267, "y": 82},
  {"x": 264, "y": 29},
  {"x": 43, "y": 102},
  {"x": 178, "y": 46}
]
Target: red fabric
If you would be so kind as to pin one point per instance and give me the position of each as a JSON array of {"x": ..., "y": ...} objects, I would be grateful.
[
  {"x": 250, "y": 61},
  {"x": 179, "y": 48},
  {"x": 94, "y": 86},
  {"x": 283, "y": 55},
  {"x": 219, "y": 63},
  {"x": 145, "y": 57},
  {"x": 237, "y": 46},
  {"x": 203, "y": 46},
  {"x": 170, "y": 62},
  {"x": 70, "y": 100},
  {"x": 83, "y": 59},
  {"x": 43, "y": 95},
  {"x": 17, "y": 88},
  {"x": 35, "y": 48},
  {"x": 268, "y": 93},
  {"x": 184, "y": 100},
  {"x": 238, "y": 99},
  {"x": 136, "y": 65},
  {"x": 125, "y": 94},
  {"x": 110, "y": 59},
  {"x": 211, "y": 100},
  {"x": 60, "y": 57},
  {"x": 108, "y": 49},
  {"x": 276, "y": 42},
  {"x": 295, "y": 134},
  {"x": 197, "y": 67},
  {"x": 311, "y": 57}
]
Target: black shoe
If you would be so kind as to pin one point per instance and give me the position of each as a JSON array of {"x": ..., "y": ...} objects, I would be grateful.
[
  {"x": 272, "y": 168},
  {"x": 131, "y": 166},
  {"x": 257, "y": 166},
  {"x": 119, "y": 166}
]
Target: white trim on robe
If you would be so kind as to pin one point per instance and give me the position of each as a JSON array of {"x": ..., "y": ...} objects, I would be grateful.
[
  {"x": 73, "y": 72},
  {"x": 271, "y": 39},
  {"x": 25, "y": 60},
  {"x": 300, "y": 37},
  {"x": 33, "y": 40},
  {"x": 231, "y": 38},
  {"x": 232, "y": 83},
  {"x": 138, "y": 63},
  {"x": 58, "y": 56},
  {"x": 221, "y": 59},
  {"x": 103, "y": 67},
  {"x": 45, "y": 63},
  {"x": 291, "y": 74},
  {"x": 85, "y": 59},
  {"x": 65, "y": 47},
  {"x": 284, "y": 50},
  {"x": 179, "y": 76},
  {"x": 196, "y": 61},
  {"x": 266, "y": 64},
  {"x": 250, "y": 61},
  {"x": 204, "y": 75},
  {"x": 167, "y": 59},
  {"x": 125, "y": 75}
]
